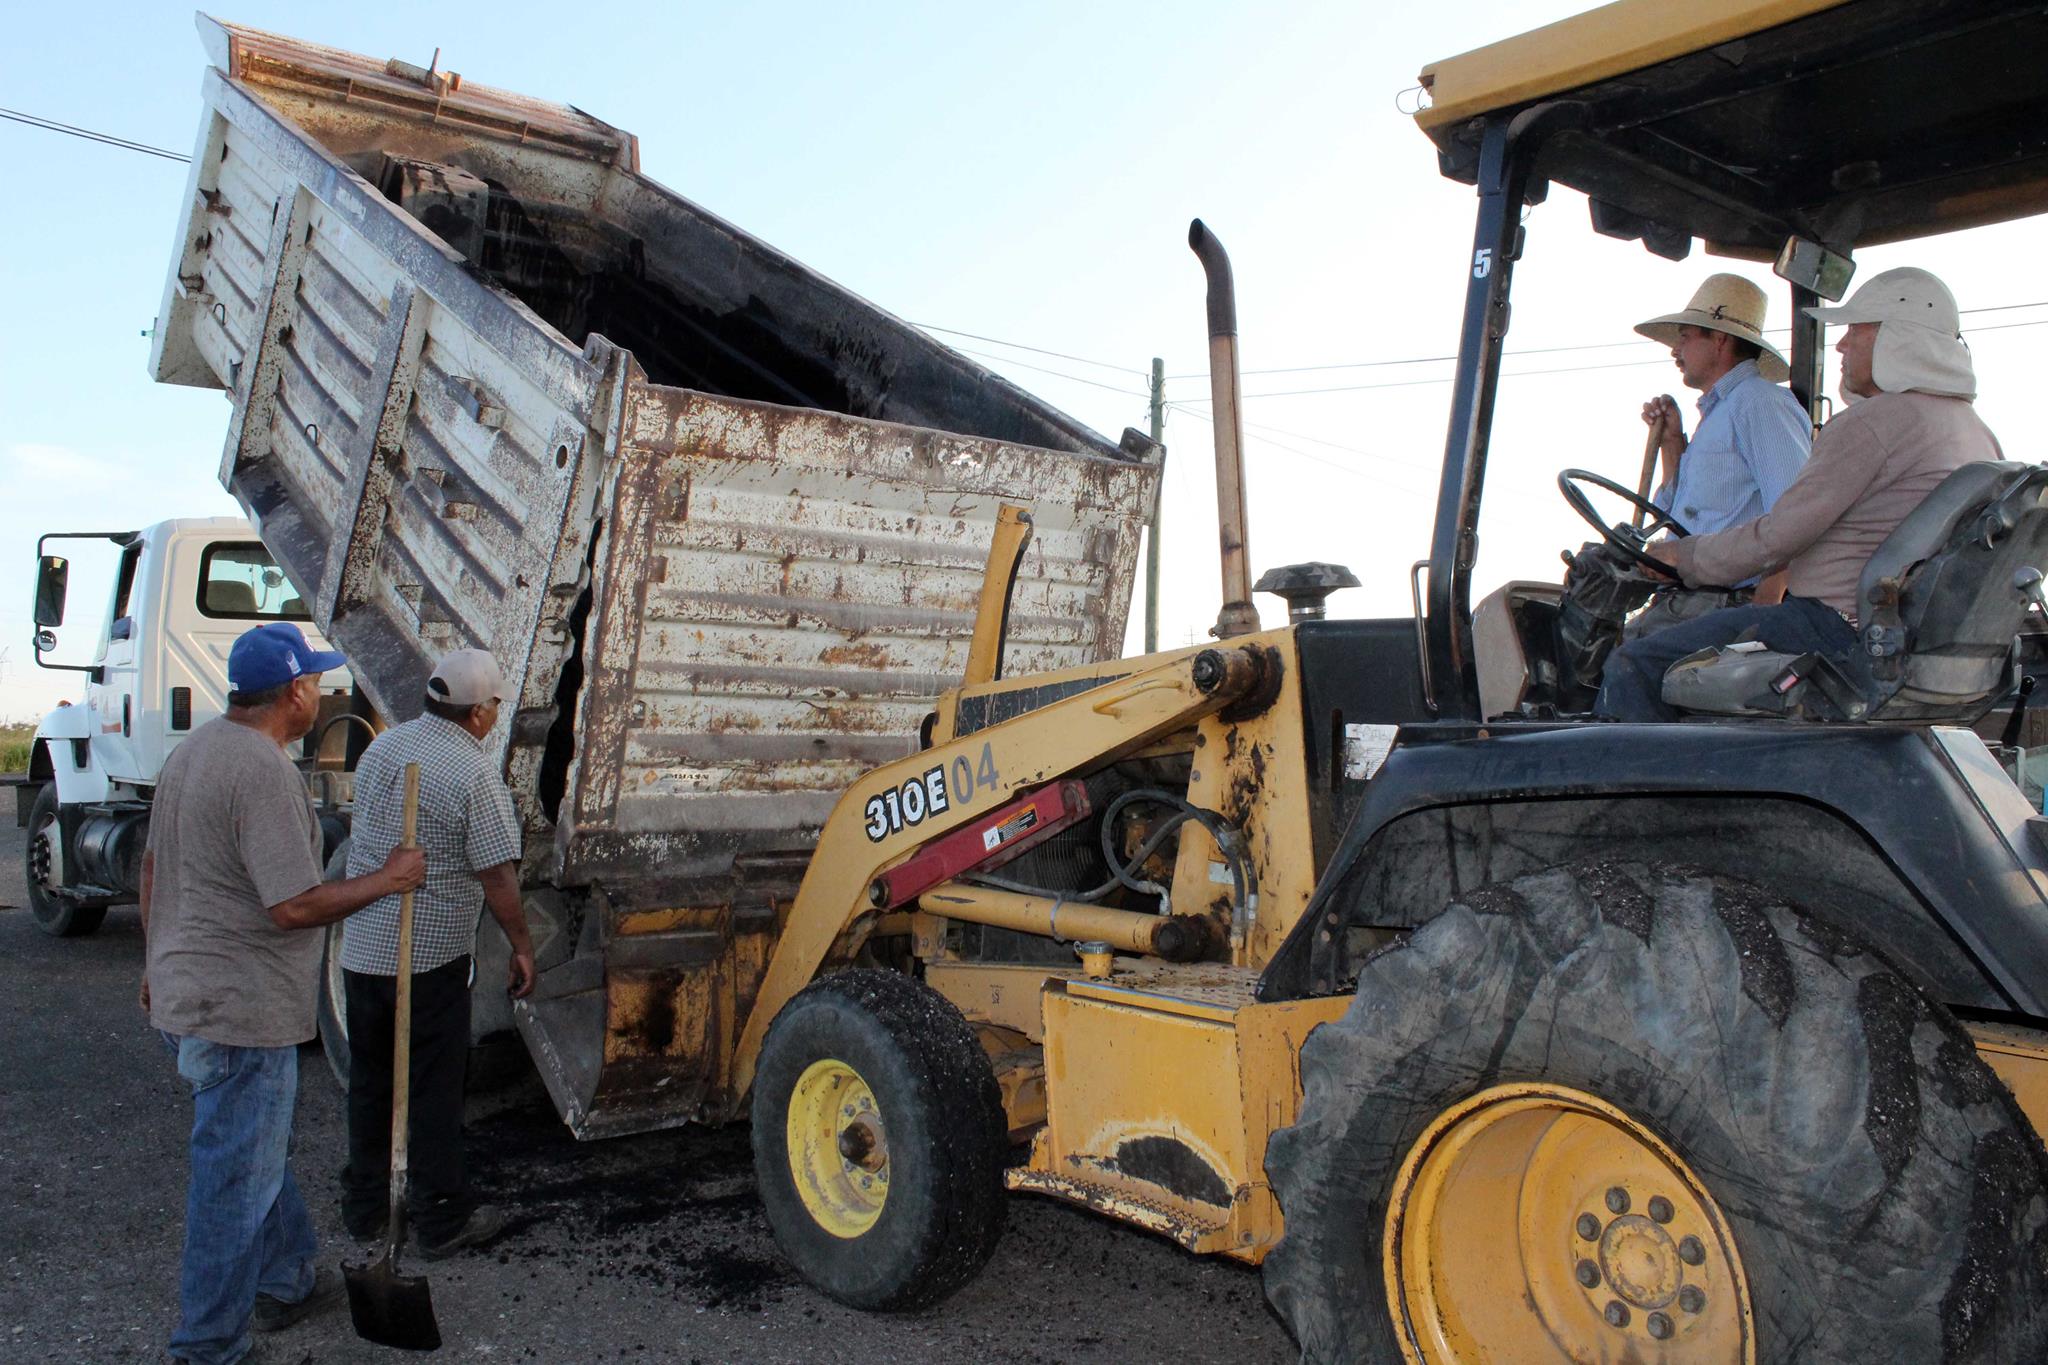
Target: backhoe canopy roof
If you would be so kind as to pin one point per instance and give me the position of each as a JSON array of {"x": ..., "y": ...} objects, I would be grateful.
[{"x": 1743, "y": 122}]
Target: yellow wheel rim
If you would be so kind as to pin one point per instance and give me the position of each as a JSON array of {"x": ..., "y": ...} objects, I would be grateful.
[
  {"x": 838, "y": 1148},
  {"x": 1539, "y": 1223}
]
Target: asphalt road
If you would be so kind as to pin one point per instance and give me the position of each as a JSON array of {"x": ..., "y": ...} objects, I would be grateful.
[{"x": 648, "y": 1248}]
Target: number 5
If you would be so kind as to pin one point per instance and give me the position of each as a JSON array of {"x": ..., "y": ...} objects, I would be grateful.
[{"x": 1482, "y": 263}]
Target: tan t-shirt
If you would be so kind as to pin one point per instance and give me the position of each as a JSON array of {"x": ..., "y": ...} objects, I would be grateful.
[
  {"x": 233, "y": 833},
  {"x": 1871, "y": 466}
]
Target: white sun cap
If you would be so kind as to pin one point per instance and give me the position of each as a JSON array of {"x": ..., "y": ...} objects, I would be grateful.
[{"x": 1920, "y": 340}]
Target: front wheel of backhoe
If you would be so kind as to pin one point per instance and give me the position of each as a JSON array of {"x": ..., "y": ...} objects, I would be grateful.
[
  {"x": 1617, "y": 1111},
  {"x": 878, "y": 1141}
]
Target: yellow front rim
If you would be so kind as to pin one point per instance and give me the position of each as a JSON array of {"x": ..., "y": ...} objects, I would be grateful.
[
  {"x": 838, "y": 1148},
  {"x": 1539, "y": 1223}
]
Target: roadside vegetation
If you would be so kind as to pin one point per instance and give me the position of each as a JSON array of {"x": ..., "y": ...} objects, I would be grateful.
[{"x": 14, "y": 742}]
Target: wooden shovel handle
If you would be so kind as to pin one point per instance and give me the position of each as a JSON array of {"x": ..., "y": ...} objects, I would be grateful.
[
  {"x": 401, "y": 1046},
  {"x": 1650, "y": 445}
]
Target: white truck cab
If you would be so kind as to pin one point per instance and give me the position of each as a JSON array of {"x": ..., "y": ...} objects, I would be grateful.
[{"x": 183, "y": 590}]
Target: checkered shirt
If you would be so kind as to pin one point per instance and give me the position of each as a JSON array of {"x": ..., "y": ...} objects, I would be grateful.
[{"x": 466, "y": 824}]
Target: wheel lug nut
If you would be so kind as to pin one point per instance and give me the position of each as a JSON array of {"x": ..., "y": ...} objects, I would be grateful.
[
  {"x": 1617, "y": 1313},
  {"x": 1589, "y": 1227},
  {"x": 1692, "y": 1298},
  {"x": 1690, "y": 1251},
  {"x": 1660, "y": 1209},
  {"x": 1659, "y": 1325},
  {"x": 1588, "y": 1273},
  {"x": 1617, "y": 1200}
]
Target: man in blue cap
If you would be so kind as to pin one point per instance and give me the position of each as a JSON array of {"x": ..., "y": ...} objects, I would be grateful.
[{"x": 232, "y": 910}]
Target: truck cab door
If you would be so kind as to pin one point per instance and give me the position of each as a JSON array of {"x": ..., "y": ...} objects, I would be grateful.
[{"x": 114, "y": 696}]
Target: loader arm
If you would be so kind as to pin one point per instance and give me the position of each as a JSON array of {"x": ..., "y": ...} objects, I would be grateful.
[{"x": 897, "y": 808}]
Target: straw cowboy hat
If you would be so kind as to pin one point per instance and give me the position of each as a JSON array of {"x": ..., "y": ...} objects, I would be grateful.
[{"x": 1724, "y": 303}]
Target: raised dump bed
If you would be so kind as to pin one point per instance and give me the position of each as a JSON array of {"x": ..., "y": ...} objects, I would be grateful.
[{"x": 722, "y": 521}]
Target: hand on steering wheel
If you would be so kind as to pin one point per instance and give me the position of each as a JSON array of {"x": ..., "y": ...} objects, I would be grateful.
[{"x": 1628, "y": 541}]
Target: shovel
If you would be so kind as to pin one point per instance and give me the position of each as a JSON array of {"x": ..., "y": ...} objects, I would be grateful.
[
  {"x": 1650, "y": 445},
  {"x": 389, "y": 1308}
]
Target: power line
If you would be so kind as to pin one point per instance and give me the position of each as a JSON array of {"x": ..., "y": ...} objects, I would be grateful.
[
  {"x": 1299, "y": 436},
  {"x": 1551, "y": 350},
  {"x": 1565, "y": 369},
  {"x": 1377, "y": 480},
  {"x": 52, "y": 126},
  {"x": 1060, "y": 374},
  {"x": 1035, "y": 350}
]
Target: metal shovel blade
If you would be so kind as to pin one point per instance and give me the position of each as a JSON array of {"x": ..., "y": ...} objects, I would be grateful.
[{"x": 389, "y": 1308}]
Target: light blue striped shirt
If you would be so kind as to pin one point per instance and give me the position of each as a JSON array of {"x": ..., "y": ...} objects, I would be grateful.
[{"x": 1751, "y": 442}]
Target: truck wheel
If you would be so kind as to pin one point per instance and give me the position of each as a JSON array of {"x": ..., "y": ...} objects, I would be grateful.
[
  {"x": 878, "y": 1141},
  {"x": 333, "y": 1014},
  {"x": 58, "y": 914},
  {"x": 1617, "y": 1111}
]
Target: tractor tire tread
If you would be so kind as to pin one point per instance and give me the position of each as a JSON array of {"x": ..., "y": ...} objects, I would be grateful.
[
  {"x": 946, "y": 1127},
  {"x": 1888, "y": 1197}
]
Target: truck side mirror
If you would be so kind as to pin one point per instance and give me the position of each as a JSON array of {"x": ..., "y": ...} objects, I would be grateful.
[
  {"x": 53, "y": 579},
  {"x": 1812, "y": 266}
]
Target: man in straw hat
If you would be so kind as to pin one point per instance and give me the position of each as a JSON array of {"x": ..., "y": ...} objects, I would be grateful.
[
  {"x": 1752, "y": 436},
  {"x": 1908, "y": 423}
]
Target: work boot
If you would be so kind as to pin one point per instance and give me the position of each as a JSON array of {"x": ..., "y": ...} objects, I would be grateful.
[
  {"x": 274, "y": 1315},
  {"x": 485, "y": 1222}
]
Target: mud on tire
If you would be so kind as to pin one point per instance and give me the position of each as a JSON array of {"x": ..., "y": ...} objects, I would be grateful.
[
  {"x": 943, "y": 1114},
  {"x": 1888, "y": 1199}
]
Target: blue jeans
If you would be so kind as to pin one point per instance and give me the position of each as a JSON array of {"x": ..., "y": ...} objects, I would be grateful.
[
  {"x": 246, "y": 1228},
  {"x": 1632, "y": 687}
]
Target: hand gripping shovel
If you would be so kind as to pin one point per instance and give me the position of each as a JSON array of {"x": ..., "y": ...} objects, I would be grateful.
[{"x": 389, "y": 1308}]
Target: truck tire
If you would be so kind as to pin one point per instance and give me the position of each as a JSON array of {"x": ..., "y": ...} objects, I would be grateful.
[
  {"x": 333, "y": 1016},
  {"x": 58, "y": 914},
  {"x": 879, "y": 1141},
  {"x": 1638, "y": 1111}
]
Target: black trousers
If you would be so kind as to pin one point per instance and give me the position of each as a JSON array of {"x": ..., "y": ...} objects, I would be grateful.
[{"x": 441, "y": 1200}]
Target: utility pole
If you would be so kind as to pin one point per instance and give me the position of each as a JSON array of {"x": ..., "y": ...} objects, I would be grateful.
[{"x": 1152, "y": 527}]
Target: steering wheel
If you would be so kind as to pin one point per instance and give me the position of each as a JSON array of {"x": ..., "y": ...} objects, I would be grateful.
[{"x": 1628, "y": 541}]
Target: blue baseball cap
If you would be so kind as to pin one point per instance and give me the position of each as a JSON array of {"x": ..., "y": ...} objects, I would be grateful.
[{"x": 274, "y": 654}]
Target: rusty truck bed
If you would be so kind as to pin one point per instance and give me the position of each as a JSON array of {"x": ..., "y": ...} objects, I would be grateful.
[{"x": 722, "y": 521}]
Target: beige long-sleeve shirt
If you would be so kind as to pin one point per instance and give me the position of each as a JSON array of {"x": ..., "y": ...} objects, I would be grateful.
[{"x": 1870, "y": 466}]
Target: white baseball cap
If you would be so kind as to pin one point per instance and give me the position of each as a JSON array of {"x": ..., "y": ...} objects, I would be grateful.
[{"x": 468, "y": 677}]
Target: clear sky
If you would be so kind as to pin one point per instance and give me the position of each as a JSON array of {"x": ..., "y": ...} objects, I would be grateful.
[{"x": 1020, "y": 172}]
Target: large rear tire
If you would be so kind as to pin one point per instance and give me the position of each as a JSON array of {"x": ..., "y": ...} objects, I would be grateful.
[
  {"x": 333, "y": 1013},
  {"x": 879, "y": 1140},
  {"x": 58, "y": 914},
  {"x": 1617, "y": 1110}
]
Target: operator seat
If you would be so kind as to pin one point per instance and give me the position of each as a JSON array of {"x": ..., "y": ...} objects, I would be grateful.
[{"x": 1938, "y": 610}]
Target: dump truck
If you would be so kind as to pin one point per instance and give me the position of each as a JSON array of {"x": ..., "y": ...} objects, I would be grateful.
[
  {"x": 721, "y": 522},
  {"x": 1356, "y": 949}
]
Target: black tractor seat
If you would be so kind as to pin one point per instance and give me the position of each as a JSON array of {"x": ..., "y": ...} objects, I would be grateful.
[{"x": 1939, "y": 605}]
